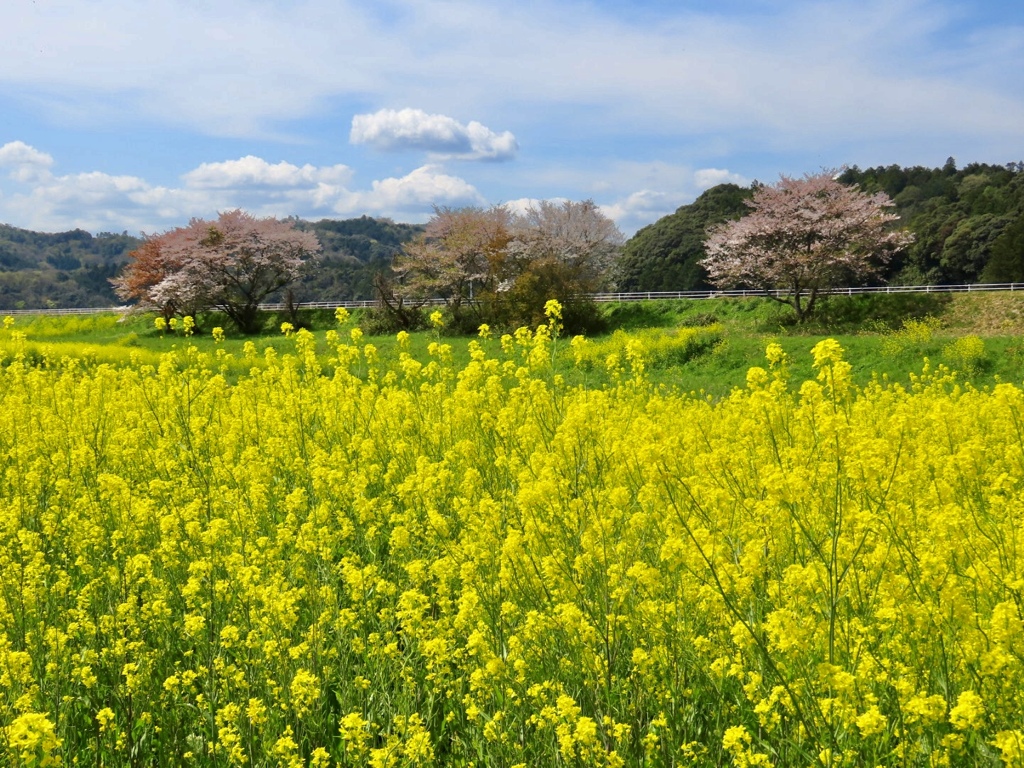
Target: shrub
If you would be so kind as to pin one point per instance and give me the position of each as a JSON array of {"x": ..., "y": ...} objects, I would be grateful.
[
  {"x": 654, "y": 348},
  {"x": 966, "y": 354},
  {"x": 913, "y": 335}
]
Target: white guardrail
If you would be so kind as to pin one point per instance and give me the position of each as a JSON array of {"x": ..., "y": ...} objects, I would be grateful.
[{"x": 600, "y": 297}]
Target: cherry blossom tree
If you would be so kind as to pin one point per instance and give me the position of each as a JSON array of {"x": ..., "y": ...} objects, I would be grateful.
[
  {"x": 455, "y": 257},
  {"x": 560, "y": 250},
  {"x": 803, "y": 237},
  {"x": 493, "y": 265},
  {"x": 230, "y": 264},
  {"x": 575, "y": 234},
  {"x": 147, "y": 270}
]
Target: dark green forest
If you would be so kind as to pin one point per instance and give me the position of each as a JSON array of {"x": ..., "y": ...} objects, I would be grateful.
[
  {"x": 968, "y": 226},
  {"x": 73, "y": 269}
]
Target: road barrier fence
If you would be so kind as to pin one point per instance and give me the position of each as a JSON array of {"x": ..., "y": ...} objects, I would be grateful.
[{"x": 617, "y": 296}]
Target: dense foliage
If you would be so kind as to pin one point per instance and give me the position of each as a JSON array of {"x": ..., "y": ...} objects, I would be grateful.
[
  {"x": 40, "y": 270},
  {"x": 412, "y": 563},
  {"x": 963, "y": 220},
  {"x": 354, "y": 252}
]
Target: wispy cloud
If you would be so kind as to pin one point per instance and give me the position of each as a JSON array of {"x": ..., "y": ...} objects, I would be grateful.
[
  {"x": 443, "y": 136},
  {"x": 781, "y": 73}
]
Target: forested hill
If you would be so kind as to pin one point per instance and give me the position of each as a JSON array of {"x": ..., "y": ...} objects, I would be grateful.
[
  {"x": 73, "y": 269},
  {"x": 968, "y": 225},
  {"x": 353, "y": 251},
  {"x": 66, "y": 269}
]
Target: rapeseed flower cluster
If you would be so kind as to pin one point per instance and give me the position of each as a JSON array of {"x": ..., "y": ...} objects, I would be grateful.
[{"x": 412, "y": 563}]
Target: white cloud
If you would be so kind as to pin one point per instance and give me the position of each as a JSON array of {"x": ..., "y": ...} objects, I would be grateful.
[
  {"x": 706, "y": 178},
  {"x": 389, "y": 129},
  {"x": 255, "y": 171},
  {"x": 26, "y": 163},
  {"x": 640, "y": 208},
  {"x": 423, "y": 188},
  {"x": 634, "y": 194},
  {"x": 524, "y": 204},
  {"x": 659, "y": 189},
  {"x": 98, "y": 201}
]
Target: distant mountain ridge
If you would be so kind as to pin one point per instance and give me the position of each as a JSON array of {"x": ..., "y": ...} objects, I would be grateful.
[{"x": 73, "y": 269}]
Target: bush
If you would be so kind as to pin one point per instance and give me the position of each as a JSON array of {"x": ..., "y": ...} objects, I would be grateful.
[
  {"x": 654, "y": 348},
  {"x": 384, "y": 320},
  {"x": 913, "y": 335},
  {"x": 965, "y": 354}
]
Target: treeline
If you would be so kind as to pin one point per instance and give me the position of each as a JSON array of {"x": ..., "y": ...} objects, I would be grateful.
[
  {"x": 73, "y": 269},
  {"x": 968, "y": 227}
]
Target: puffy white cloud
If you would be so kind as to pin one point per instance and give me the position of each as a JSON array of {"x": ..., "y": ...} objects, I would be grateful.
[
  {"x": 390, "y": 129},
  {"x": 26, "y": 162},
  {"x": 251, "y": 171},
  {"x": 425, "y": 187},
  {"x": 706, "y": 178},
  {"x": 98, "y": 201}
]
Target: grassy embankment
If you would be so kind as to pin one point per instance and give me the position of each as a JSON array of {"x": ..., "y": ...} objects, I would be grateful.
[{"x": 694, "y": 345}]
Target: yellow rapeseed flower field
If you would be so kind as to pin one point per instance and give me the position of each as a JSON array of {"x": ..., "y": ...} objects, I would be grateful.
[{"x": 409, "y": 563}]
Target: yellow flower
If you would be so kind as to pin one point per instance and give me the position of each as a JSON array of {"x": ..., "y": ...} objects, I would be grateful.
[
  {"x": 871, "y": 722},
  {"x": 1011, "y": 745},
  {"x": 32, "y": 741},
  {"x": 736, "y": 738},
  {"x": 105, "y": 717},
  {"x": 305, "y": 690},
  {"x": 968, "y": 713}
]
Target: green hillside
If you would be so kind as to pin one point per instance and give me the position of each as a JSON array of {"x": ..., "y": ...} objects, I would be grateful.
[{"x": 59, "y": 270}]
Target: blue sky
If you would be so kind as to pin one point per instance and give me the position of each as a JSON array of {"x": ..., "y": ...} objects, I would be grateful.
[{"x": 121, "y": 115}]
